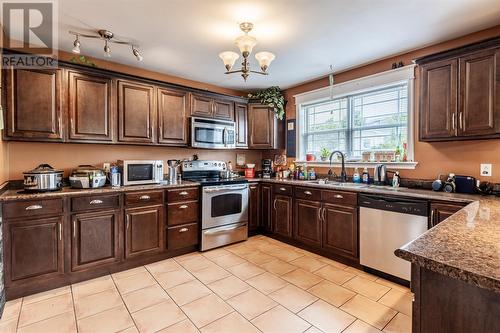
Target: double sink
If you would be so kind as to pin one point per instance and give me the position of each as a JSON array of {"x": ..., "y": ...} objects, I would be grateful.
[{"x": 348, "y": 185}]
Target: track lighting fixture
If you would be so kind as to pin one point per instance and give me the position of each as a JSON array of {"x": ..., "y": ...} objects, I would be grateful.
[{"x": 108, "y": 38}]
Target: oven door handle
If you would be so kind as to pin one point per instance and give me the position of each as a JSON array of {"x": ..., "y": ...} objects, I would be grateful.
[
  {"x": 219, "y": 231},
  {"x": 232, "y": 188}
]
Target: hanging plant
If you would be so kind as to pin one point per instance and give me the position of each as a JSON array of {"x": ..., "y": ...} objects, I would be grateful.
[
  {"x": 273, "y": 98},
  {"x": 83, "y": 61}
]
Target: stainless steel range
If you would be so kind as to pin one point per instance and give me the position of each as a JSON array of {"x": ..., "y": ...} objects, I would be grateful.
[{"x": 224, "y": 203}]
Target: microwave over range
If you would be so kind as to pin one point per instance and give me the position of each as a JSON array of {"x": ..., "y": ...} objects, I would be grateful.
[
  {"x": 139, "y": 172},
  {"x": 212, "y": 133}
]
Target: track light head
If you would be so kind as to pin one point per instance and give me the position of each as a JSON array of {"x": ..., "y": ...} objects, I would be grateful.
[
  {"x": 137, "y": 53},
  {"x": 107, "y": 49},
  {"x": 76, "y": 46}
]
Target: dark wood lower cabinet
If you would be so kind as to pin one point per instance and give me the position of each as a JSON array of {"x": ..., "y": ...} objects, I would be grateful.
[
  {"x": 266, "y": 207},
  {"x": 254, "y": 208},
  {"x": 33, "y": 250},
  {"x": 143, "y": 231},
  {"x": 440, "y": 211},
  {"x": 95, "y": 240},
  {"x": 182, "y": 236},
  {"x": 307, "y": 222},
  {"x": 282, "y": 215},
  {"x": 340, "y": 230}
]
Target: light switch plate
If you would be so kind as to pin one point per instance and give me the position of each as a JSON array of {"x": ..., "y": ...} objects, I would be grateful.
[{"x": 485, "y": 170}]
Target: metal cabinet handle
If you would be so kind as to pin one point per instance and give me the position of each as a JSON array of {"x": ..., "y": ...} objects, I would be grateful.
[
  {"x": 282, "y": 189},
  {"x": 308, "y": 192},
  {"x": 274, "y": 204},
  {"x": 144, "y": 197},
  {"x": 74, "y": 228},
  {"x": 127, "y": 221},
  {"x": 338, "y": 196},
  {"x": 183, "y": 193},
  {"x": 96, "y": 202},
  {"x": 324, "y": 214},
  {"x": 432, "y": 218},
  {"x": 34, "y": 207},
  {"x": 183, "y": 207},
  {"x": 453, "y": 125},
  {"x": 60, "y": 230},
  {"x": 460, "y": 120},
  {"x": 183, "y": 230},
  {"x": 319, "y": 214}
]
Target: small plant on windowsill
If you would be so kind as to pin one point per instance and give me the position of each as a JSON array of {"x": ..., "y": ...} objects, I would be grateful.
[
  {"x": 273, "y": 98},
  {"x": 324, "y": 154}
]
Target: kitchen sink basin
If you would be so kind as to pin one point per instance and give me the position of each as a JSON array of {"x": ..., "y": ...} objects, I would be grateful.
[{"x": 334, "y": 183}]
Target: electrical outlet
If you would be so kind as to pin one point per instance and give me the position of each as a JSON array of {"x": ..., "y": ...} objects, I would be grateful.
[{"x": 486, "y": 170}]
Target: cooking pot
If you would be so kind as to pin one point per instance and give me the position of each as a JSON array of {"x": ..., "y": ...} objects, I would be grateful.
[
  {"x": 43, "y": 178},
  {"x": 87, "y": 176}
]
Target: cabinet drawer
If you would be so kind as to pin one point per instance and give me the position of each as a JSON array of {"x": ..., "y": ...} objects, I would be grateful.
[
  {"x": 144, "y": 198},
  {"x": 182, "y": 194},
  {"x": 182, "y": 236},
  {"x": 95, "y": 202},
  {"x": 181, "y": 213},
  {"x": 31, "y": 208},
  {"x": 307, "y": 193},
  {"x": 283, "y": 189},
  {"x": 339, "y": 197}
]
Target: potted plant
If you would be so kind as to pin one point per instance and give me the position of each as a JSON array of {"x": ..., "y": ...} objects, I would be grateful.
[
  {"x": 273, "y": 98},
  {"x": 324, "y": 154}
]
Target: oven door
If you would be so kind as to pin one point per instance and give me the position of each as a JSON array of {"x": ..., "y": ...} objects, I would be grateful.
[
  {"x": 206, "y": 133},
  {"x": 223, "y": 205}
]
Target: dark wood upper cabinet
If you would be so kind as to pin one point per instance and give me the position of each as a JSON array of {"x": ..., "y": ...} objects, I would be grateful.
[
  {"x": 201, "y": 106},
  {"x": 282, "y": 215},
  {"x": 95, "y": 240},
  {"x": 144, "y": 230},
  {"x": 307, "y": 222},
  {"x": 265, "y": 131},
  {"x": 479, "y": 105},
  {"x": 241, "y": 117},
  {"x": 438, "y": 99},
  {"x": 254, "y": 208},
  {"x": 136, "y": 112},
  {"x": 340, "y": 230},
  {"x": 459, "y": 93},
  {"x": 266, "y": 192},
  {"x": 32, "y": 98},
  {"x": 223, "y": 109},
  {"x": 441, "y": 211},
  {"x": 90, "y": 107},
  {"x": 172, "y": 117},
  {"x": 34, "y": 249}
]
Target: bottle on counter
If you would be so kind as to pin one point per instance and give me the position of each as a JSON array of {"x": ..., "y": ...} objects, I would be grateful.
[
  {"x": 366, "y": 176},
  {"x": 396, "y": 179},
  {"x": 312, "y": 174},
  {"x": 356, "y": 178}
]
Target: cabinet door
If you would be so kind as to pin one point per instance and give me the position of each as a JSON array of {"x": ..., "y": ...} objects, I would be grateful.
[
  {"x": 34, "y": 249},
  {"x": 172, "y": 117},
  {"x": 441, "y": 211},
  {"x": 201, "y": 106},
  {"x": 254, "y": 208},
  {"x": 479, "y": 109},
  {"x": 223, "y": 109},
  {"x": 307, "y": 222},
  {"x": 241, "y": 115},
  {"x": 438, "y": 100},
  {"x": 91, "y": 111},
  {"x": 135, "y": 112},
  {"x": 95, "y": 240},
  {"x": 340, "y": 230},
  {"x": 266, "y": 206},
  {"x": 33, "y": 104},
  {"x": 261, "y": 127},
  {"x": 144, "y": 231},
  {"x": 282, "y": 215}
]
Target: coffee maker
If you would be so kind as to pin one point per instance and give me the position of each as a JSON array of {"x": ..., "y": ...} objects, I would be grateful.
[{"x": 267, "y": 168}]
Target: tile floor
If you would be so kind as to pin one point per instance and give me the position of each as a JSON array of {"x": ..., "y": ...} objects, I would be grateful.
[{"x": 261, "y": 285}]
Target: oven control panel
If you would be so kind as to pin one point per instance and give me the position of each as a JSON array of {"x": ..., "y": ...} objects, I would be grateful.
[{"x": 203, "y": 165}]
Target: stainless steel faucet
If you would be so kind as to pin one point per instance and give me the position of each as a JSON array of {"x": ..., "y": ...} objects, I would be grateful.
[{"x": 343, "y": 174}]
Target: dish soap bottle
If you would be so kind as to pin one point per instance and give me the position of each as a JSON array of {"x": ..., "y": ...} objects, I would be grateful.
[
  {"x": 356, "y": 178},
  {"x": 366, "y": 176},
  {"x": 312, "y": 174}
]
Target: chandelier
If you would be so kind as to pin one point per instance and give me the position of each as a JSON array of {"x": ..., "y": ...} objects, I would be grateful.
[
  {"x": 108, "y": 38},
  {"x": 246, "y": 43}
]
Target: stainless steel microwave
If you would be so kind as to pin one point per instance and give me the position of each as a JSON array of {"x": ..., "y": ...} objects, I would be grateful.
[
  {"x": 141, "y": 172},
  {"x": 212, "y": 133}
]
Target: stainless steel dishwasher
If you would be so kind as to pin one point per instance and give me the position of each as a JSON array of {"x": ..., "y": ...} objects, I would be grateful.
[{"x": 386, "y": 223}]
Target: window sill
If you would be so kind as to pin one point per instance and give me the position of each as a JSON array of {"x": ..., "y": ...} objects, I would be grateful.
[{"x": 390, "y": 165}]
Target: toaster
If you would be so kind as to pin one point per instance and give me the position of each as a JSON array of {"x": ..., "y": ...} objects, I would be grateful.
[{"x": 465, "y": 184}]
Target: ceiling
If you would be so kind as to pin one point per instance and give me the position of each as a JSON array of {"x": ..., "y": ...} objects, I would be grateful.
[{"x": 184, "y": 37}]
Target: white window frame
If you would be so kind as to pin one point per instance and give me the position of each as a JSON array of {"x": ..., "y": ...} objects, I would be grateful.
[{"x": 381, "y": 80}]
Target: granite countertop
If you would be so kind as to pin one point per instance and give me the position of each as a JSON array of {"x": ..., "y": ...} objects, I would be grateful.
[{"x": 18, "y": 194}]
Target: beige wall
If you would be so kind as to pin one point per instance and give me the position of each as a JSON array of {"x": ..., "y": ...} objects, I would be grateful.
[
  {"x": 460, "y": 157},
  {"x": 4, "y": 162},
  {"x": 24, "y": 156}
]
